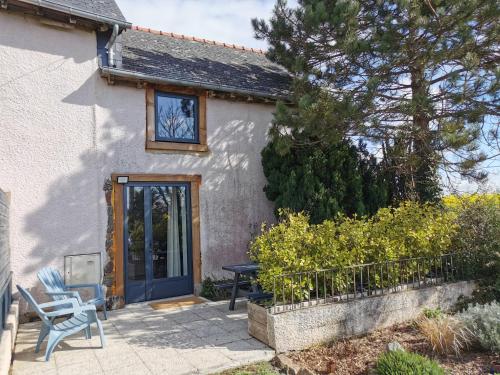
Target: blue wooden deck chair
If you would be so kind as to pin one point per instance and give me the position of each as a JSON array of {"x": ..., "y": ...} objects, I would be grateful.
[
  {"x": 82, "y": 317},
  {"x": 57, "y": 290}
]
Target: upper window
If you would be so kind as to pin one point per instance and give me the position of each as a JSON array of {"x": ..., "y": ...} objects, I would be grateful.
[{"x": 177, "y": 118}]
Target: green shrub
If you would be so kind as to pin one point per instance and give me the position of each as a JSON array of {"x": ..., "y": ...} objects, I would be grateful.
[
  {"x": 433, "y": 313},
  {"x": 484, "y": 322},
  {"x": 295, "y": 245},
  {"x": 478, "y": 220},
  {"x": 208, "y": 289},
  {"x": 403, "y": 363},
  {"x": 324, "y": 178}
]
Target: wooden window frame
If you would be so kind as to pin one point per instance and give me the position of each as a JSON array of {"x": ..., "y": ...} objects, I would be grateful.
[
  {"x": 118, "y": 215},
  {"x": 152, "y": 144}
]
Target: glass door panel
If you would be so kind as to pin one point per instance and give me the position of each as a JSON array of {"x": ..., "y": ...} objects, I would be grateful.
[
  {"x": 170, "y": 231},
  {"x": 135, "y": 243},
  {"x": 136, "y": 238}
]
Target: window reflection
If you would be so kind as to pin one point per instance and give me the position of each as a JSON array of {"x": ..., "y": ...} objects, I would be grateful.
[
  {"x": 135, "y": 237},
  {"x": 170, "y": 237},
  {"x": 176, "y": 118}
]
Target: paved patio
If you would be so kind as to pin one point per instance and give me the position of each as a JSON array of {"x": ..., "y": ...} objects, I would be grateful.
[{"x": 200, "y": 339}]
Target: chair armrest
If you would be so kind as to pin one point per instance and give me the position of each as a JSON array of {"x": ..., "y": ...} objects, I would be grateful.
[
  {"x": 72, "y": 294},
  {"x": 97, "y": 288},
  {"x": 82, "y": 285},
  {"x": 75, "y": 307},
  {"x": 81, "y": 309},
  {"x": 88, "y": 307}
]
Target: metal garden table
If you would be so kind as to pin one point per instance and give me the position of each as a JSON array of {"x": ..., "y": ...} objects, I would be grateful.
[{"x": 249, "y": 269}]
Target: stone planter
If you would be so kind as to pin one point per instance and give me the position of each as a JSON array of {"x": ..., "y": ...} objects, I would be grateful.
[{"x": 301, "y": 328}]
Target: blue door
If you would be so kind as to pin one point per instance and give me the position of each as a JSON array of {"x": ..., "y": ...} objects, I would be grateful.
[{"x": 157, "y": 243}]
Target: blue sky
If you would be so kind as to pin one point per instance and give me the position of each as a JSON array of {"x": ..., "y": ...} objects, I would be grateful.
[{"x": 220, "y": 20}]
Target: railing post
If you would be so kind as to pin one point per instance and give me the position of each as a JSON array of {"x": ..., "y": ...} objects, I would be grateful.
[{"x": 274, "y": 294}]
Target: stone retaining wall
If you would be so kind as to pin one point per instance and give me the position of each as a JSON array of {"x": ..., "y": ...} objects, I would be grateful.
[{"x": 302, "y": 328}]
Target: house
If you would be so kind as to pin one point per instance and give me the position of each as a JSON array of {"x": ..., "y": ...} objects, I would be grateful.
[{"x": 140, "y": 145}]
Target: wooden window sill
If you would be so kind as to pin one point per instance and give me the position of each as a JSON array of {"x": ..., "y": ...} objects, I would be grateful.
[{"x": 176, "y": 146}]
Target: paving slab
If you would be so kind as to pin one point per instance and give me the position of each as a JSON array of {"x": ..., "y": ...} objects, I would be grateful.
[{"x": 199, "y": 339}]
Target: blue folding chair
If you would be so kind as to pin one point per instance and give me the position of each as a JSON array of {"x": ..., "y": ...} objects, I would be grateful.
[
  {"x": 57, "y": 290},
  {"x": 82, "y": 316}
]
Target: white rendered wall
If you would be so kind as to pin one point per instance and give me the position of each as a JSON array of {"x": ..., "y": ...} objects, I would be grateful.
[
  {"x": 47, "y": 117},
  {"x": 64, "y": 131}
]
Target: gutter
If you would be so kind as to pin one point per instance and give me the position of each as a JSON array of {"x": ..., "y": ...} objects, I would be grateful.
[
  {"x": 109, "y": 72},
  {"x": 77, "y": 12},
  {"x": 111, "y": 42}
]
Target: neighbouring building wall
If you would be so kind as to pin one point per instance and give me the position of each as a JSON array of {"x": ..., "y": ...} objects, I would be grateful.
[
  {"x": 65, "y": 130},
  {"x": 5, "y": 273},
  {"x": 8, "y": 311}
]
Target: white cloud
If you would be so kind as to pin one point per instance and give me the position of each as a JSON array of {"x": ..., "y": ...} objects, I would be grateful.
[{"x": 221, "y": 20}]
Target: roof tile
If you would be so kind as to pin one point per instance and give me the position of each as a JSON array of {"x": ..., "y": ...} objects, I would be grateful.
[
  {"x": 200, "y": 61},
  {"x": 106, "y": 8}
]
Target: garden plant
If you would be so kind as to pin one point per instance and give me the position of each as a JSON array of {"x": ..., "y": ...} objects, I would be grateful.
[
  {"x": 466, "y": 226},
  {"x": 400, "y": 362}
]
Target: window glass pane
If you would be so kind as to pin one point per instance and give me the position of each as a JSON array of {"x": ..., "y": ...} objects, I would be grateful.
[
  {"x": 135, "y": 234},
  {"x": 176, "y": 118},
  {"x": 170, "y": 238}
]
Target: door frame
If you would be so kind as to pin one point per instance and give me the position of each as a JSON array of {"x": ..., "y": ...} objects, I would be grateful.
[
  {"x": 194, "y": 182},
  {"x": 151, "y": 285}
]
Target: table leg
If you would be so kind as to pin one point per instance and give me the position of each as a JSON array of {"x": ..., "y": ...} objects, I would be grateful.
[
  {"x": 234, "y": 293},
  {"x": 255, "y": 285}
]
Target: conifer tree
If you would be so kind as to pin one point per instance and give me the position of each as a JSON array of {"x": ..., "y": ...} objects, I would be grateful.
[
  {"x": 418, "y": 79},
  {"x": 324, "y": 180}
]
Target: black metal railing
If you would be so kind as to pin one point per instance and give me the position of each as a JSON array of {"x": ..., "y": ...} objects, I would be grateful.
[{"x": 310, "y": 288}]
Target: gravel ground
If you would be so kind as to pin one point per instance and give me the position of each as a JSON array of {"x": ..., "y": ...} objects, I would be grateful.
[{"x": 357, "y": 356}]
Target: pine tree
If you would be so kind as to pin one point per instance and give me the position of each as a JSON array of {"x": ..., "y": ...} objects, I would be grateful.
[{"x": 420, "y": 79}]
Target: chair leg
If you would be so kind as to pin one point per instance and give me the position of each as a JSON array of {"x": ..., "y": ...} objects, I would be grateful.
[
  {"x": 101, "y": 333},
  {"x": 105, "y": 311},
  {"x": 88, "y": 333},
  {"x": 54, "y": 338},
  {"x": 43, "y": 334}
]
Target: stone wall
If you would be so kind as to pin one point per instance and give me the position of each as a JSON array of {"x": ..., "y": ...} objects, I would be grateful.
[{"x": 302, "y": 328}]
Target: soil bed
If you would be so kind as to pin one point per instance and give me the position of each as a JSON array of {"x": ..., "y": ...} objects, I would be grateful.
[{"x": 358, "y": 355}]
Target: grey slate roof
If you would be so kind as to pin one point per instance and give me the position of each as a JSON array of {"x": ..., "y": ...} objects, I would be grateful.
[
  {"x": 203, "y": 63},
  {"x": 107, "y": 8},
  {"x": 104, "y": 8}
]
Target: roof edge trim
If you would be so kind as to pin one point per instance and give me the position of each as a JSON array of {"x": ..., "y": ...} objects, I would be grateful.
[
  {"x": 129, "y": 75},
  {"x": 78, "y": 12}
]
